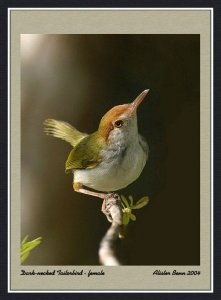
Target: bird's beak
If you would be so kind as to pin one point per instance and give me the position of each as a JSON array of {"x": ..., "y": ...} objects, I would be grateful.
[{"x": 133, "y": 106}]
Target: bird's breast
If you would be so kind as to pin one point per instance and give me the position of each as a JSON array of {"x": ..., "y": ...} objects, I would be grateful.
[{"x": 121, "y": 165}]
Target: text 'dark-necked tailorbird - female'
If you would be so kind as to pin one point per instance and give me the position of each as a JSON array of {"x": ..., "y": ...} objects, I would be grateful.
[{"x": 110, "y": 158}]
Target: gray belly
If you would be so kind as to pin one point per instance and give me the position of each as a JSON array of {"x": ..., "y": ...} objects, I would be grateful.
[{"x": 117, "y": 170}]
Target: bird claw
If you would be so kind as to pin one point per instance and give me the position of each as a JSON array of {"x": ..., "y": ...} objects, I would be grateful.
[
  {"x": 106, "y": 211},
  {"x": 106, "y": 205},
  {"x": 112, "y": 195}
]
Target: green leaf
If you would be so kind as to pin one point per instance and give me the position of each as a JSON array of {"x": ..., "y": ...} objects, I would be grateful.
[
  {"x": 26, "y": 247},
  {"x": 24, "y": 256},
  {"x": 25, "y": 239},
  {"x": 132, "y": 217},
  {"x": 122, "y": 204},
  {"x": 141, "y": 203},
  {"x": 131, "y": 200},
  {"x": 124, "y": 200},
  {"x": 126, "y": 218}
]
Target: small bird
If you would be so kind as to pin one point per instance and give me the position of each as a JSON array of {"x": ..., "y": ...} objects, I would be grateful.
[{"x": 110, "y": 158}]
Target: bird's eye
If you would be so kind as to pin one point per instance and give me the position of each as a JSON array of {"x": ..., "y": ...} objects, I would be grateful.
[{"x": 119, "y": 123}]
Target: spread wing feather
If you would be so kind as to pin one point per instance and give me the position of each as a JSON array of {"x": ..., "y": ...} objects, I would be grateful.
[{"x": 63, "y": 131}]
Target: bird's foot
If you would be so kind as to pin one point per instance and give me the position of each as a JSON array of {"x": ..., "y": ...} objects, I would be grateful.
[
  {"x": 106, "y": 212},
  {"x": 108, "y": 201},
  {"x": 112, "y": 196}
]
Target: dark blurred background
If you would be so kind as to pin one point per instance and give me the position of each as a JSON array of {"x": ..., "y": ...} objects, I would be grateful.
[{"x": 77, "y": 78}]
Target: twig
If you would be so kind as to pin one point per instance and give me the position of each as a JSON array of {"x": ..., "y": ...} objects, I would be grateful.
[{"x": 114, "y": 214}]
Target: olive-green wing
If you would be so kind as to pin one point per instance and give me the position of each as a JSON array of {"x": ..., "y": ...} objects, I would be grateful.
[
  {"x": 86, "y": 155},
  {"x": 63, "y": 131}
]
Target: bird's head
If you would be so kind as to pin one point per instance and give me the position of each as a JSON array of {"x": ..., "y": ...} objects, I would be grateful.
[{"x": 120, "y": 122}]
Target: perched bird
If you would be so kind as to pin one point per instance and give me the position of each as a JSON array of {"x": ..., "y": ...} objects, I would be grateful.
[{"x": 110, "y": 158}]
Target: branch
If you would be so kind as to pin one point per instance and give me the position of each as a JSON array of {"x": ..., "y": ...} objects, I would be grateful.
[{"x": 114, "y": 213}]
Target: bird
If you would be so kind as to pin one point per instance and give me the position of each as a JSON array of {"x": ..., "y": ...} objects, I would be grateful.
[{"x": 109, "y": 159}]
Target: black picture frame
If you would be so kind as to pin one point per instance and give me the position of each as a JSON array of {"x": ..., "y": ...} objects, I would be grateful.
[{"x": 4, "y": 5}]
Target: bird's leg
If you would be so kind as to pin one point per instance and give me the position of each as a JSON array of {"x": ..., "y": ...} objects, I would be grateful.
[{"x": 78, "y": 187}]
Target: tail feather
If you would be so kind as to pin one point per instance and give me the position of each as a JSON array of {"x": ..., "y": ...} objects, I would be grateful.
[{"x": 63, "y": 131}]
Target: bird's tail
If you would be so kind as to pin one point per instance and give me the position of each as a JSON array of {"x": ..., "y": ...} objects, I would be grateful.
[{"x": 63, "y": 131}]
